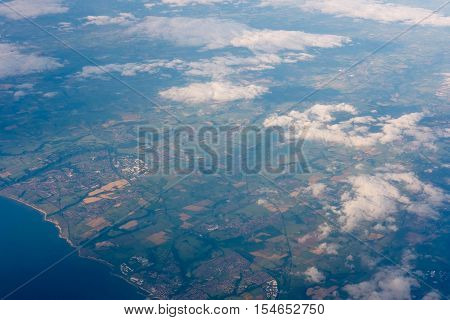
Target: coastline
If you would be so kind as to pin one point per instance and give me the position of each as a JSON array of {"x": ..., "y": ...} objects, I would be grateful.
[
  {"x": 60, "y": 235},
  {"x": 44, "y": 214}
]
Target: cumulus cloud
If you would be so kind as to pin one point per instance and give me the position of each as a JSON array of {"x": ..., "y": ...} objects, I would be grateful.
[
  {"x": 14, "y": 62},
  {"x": 122, "y": 19},
  {"x": 31, "y": 8},
  {"x": 317, "y": 189},
  {"x": 321, "y": 233},
  {"x": 356, "y": 131},
  {"x": 326, "y": 248},
  {"x": 370, "y": 199},
  {"x": 387, "y": 284},
  {"x": 314, "y": 275},
  {"x": 366, "y": 9},
  {"x": 211, "y": 33},
  {"x": 212, "y": 92},
  {"x": 376, "y": 198}
]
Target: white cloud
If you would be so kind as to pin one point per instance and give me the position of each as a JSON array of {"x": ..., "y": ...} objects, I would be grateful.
[
  {"x": 217, "y": 68},
  {"x": 357, "y": 131},
  {"x": 19, "y": 94},
  {"x": 149, "y": 5},
  {"x": 444, "y": 89},
  {"x": 376, "y": 198},
  {"x": 210, "y": 33},
  {"x": 212, "y": 92},
  {"x": 321, "y": 233},
  {"x": 128, "y": 69},
  {"x": 219, "y": 88},
  {"x": 326, "y": 248},
  {"x": 220, "y": 67},
  {"x": 192, "y": 2},
  {"x": 276, "y": 40},
  {"x": 65, "y": 26},
  {"x": 14, "y": 62},
  {"x": 122, "y": 19},
  {"x": 314, "y": 275},
  {"x": 31, "y": 8},
  {"x": 387, "y": 284},
  {"x": 366, "y": 9},
  {"x": 50, "y": 94},
  {"x": 370, "y": 199},
  {"x": 317, "y": 189}
]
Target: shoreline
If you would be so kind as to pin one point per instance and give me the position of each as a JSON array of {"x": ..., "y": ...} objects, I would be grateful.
[
  {"x": 44, "y": 214},
  {"x": 70, "y": 243}
]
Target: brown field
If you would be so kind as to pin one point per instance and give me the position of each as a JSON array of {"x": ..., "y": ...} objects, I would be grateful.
[
  {"x": 112, "y": 186},
  {"x": 314, "y": 179},
  {"x": 194, "y": 208},
  {"x": 203, "y": 203},
  {"x": 129, "y": 225},
  {"x": 91, "y": 200},
  {"x": 239, "y": 184},
  {"x": 98, "y": 223},
  {"x": 184, "y": 216},
  {"x": 104, "y": 244},
  {"x": 108, "y": 196},
  {"x": 158, "y": 238},
  {"x": 186, "y": 225},
  {"x": 375, "y": 236},
  {"x": 319, "y": 293},
  {"x": 130, "y": 117},
  {"x": 105, "y": 192},
  {"x": 268, "y": 256}
]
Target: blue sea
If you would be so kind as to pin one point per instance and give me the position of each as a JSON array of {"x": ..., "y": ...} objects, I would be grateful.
[{"x": 29, "y": 244}]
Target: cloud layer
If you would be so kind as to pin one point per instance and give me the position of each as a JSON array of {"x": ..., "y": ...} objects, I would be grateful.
[
  {"x": 31, "y": 8},
  {"x": 210, "y": 33},
  {"x": 367, "y": 9}
]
